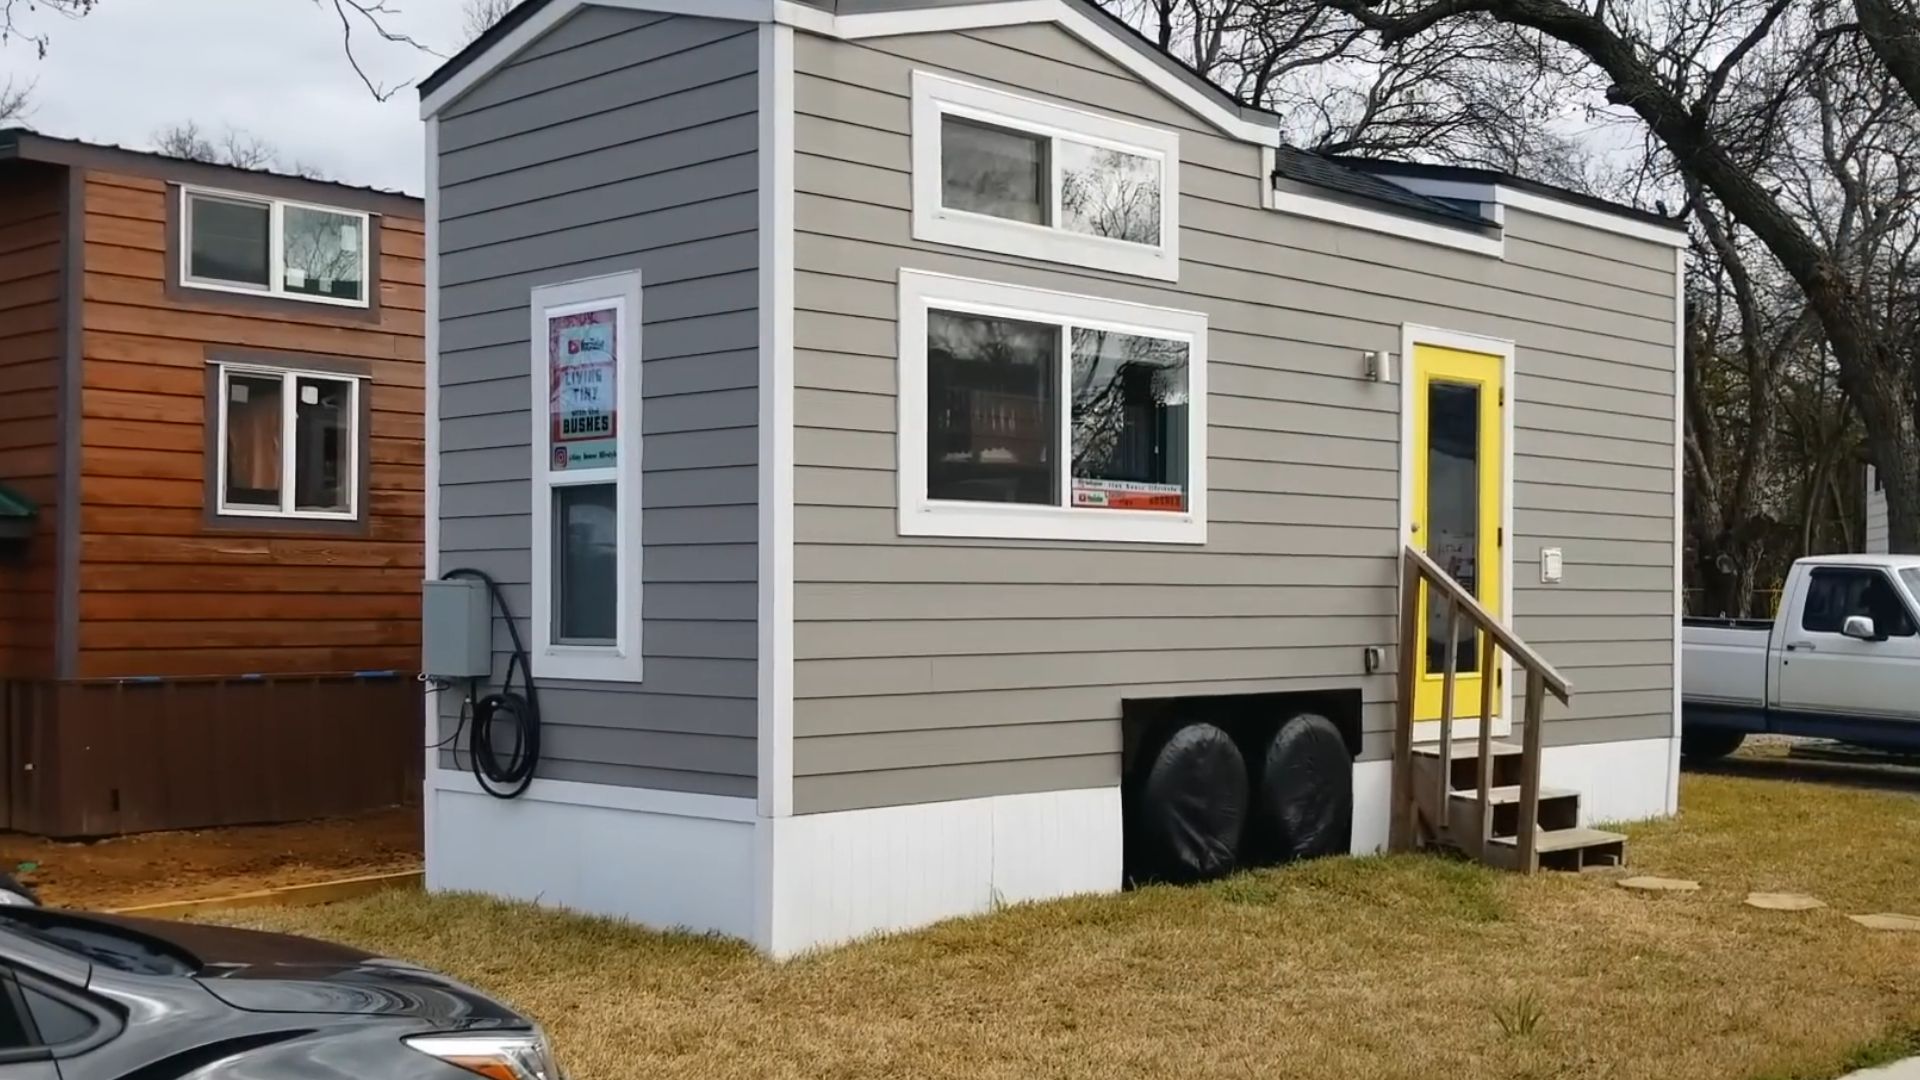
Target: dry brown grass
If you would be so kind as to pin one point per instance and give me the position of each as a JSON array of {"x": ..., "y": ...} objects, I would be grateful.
[{"x": 1347, "y": 968}]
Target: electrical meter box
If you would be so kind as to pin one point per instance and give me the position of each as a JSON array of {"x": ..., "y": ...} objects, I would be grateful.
[{"x": 456, "y": 629}]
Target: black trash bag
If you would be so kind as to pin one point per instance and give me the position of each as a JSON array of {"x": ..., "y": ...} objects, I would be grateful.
[
  {"x": 1189, "y": 809},
  {"x": 1304, "y": 808}
]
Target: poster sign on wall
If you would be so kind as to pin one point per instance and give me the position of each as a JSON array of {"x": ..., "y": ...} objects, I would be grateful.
[{"x": 583, "y": 389}]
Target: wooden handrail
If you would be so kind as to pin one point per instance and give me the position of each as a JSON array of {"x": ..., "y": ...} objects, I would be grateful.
[
  {"x": 1541, "y": 678},
  {"x": 1439, "y": 579}
]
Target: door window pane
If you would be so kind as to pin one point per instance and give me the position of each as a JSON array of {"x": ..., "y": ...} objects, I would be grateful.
[
  {"x": 1109, "y": 193},
  {"x": 323, "y": 428},
  {"x": 1834, "y": 595},
  {"x": 990, "y": 170},
  {"x": 992, "y": 409},
  {"x": 586, "y": 571},
  {"x": 227, "y": 241},
  {"x": 321, "y": 252},
  {"x": 253, "y": 406},
  {"x": 1129, "y": 421},
  {"x": 1453, "y": 513}
]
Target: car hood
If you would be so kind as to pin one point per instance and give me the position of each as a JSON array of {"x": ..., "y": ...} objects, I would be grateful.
[{"x": 280, "y": 973}]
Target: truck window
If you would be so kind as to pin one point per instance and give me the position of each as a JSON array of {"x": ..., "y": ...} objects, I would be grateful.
[{"x": 1835, "y": 593}]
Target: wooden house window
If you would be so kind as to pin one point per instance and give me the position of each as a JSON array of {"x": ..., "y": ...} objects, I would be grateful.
[
  {"x": 272, "y": 247},
  {"x": 288, "y": 443}
]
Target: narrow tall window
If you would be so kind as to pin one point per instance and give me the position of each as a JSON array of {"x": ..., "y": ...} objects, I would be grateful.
[{"x": 585, "y": 382}]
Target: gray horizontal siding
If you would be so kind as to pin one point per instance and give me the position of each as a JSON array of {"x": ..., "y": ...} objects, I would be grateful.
[
  {"x": 619, "y": 140},
  {"x": 934, "y": 668}
]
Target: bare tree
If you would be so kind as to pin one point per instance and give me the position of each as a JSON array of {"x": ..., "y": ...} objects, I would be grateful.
[
  {"x": 1705, "y": 78},
  {"x": 15, "y": 101},
  {"x": 15, "y": 22},
  {"x": 479, "y": 16},
  {"x": 233, "y": 146}
]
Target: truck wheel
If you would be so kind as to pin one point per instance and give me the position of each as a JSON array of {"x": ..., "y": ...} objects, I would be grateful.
[
  {"x": 1304, "y": 807},
  {"x": 1701, "y": 745},
  {"x": 1190, "y": 808}
]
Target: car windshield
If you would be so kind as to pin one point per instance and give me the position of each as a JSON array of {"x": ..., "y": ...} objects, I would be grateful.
[
  {"x": 1911, "y": 575},
  {"x": 104, "y": 943}
]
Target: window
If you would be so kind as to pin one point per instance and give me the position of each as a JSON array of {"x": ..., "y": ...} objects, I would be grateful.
[
  {"x": 242, "y": 243},
  {"x": 37, "y": 1022},
  {"x": 585, "y": 379},
  {"x": 289, "y": 443},
  {"x": 1835, "y": 593},
  {"x": 1015, "y": 175},
  {"x": 1029, "y": 414}
]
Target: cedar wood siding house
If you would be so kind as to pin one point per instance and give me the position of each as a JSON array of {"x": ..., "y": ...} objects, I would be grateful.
[
  {"x": 212, "y": 397},
  {"x": 999, "y": 382}
]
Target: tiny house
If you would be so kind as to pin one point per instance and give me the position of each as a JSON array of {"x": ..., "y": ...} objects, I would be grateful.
[
  {"x": 891, "y": 426},
  {"x": 211, "y": 386}
]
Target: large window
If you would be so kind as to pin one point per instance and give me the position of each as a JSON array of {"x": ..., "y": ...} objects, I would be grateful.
[
  {"x": 1040, "y": 415},
  {"x": 271, "y": 247},
  {"x": 585, "y": 379},
  {"x": 288, "y": 442},
  {"x": 1016, "y": 175}
]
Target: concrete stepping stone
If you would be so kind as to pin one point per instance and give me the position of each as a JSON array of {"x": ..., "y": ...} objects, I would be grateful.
[
  {"x": 1783, "y": 901},
  {"x": 1644, "y": 883},
  {"x": 1888, "y": 921}
]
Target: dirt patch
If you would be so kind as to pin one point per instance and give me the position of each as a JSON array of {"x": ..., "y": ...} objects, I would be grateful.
[{"x": 157, "y": 867}]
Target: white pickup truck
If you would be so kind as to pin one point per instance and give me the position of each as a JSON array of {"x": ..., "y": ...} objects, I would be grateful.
[{"x": 1840, "y": 661}]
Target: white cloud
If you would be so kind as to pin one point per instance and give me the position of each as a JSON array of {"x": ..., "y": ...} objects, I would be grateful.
[{"x": 274, "y": 68}]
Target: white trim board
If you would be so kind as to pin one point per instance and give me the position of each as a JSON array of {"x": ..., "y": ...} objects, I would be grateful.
[
  {"x": 1209, "y": 107},
  {"x": 1412, "y": 335},
  {"x": 1679, "y": 519},
  {"x": 431, "y": 702},
  {"x": 774, "y": 658}
]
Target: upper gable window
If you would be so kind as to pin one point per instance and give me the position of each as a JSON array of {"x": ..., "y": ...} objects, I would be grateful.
[
  {"x": 272, "y": 247},
  {"x": 1015, "y": 175}
]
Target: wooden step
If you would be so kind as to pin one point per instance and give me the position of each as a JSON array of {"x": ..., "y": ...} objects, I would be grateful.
[
  {"x": 1559, "y": 809},
  {"x": 1563, "y": 849},
  {"x": 1464, "y": 766}
]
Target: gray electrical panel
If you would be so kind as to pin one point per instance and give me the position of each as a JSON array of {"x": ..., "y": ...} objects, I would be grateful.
[{"x": 456, "y": 629}]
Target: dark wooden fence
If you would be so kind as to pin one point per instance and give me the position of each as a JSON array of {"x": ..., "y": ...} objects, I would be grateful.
[{"x": 84, "y": 759}]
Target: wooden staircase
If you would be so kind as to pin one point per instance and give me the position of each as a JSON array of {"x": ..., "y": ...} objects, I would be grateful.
[{"x": 1482, "y": 798}]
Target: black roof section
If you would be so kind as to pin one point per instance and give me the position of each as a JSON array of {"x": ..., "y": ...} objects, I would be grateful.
[
  {"x": 1473, "y": 175},
  {"x": 25, "y": 144},
  {"x": 1341, "y": 179}
]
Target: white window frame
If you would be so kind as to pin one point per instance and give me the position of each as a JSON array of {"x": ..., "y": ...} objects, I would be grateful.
[
  {"x": 919, "y": 515},
  {"x": 289, "y": 412},
  {"x": 936, "y": 97},
  {"x": 552, "y": 659},
  {"x": 276, "y": 248}
]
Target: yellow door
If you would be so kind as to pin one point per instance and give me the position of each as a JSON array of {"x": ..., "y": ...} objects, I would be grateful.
[{"x": 1458, "y": 398}]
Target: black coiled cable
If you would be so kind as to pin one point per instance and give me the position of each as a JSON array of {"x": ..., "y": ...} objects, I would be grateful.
[{"x": 506, "y": 779}]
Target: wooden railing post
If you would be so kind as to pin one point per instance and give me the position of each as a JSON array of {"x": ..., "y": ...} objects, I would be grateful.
[
  {"x": 1529, "y": 825},
  {"x": 1400, "y": 830},
  {"x": 1489, "y": 682},
  {"x": 1451, "y": 667}
]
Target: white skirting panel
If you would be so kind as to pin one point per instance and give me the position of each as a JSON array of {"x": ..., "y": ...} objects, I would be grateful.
[
  {"x": 1372, "y": 796},
  {"x": 1617, "y": 781},
  {"x": 658, "y": 858},
  {"x": 841, "y": 876}
]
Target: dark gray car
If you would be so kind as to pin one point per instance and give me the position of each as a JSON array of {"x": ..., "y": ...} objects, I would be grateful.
[{"x": 88, "y": 997}]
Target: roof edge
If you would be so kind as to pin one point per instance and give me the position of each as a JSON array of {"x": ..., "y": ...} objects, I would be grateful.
[
  {"x": 25, "y": 144},
  {"x": 1466, "y": 174}
]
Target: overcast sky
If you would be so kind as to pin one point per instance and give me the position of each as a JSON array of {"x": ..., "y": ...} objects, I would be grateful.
[{"x": 271, "y": 67}]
